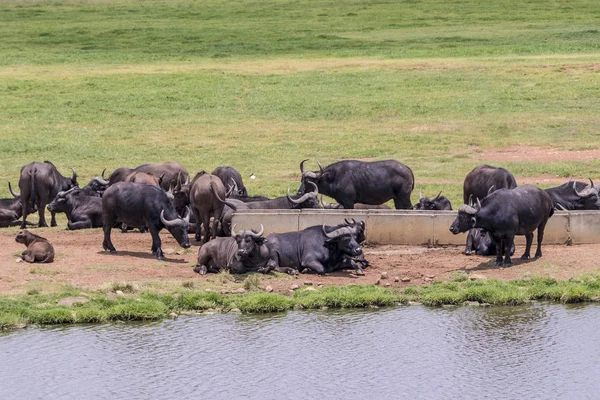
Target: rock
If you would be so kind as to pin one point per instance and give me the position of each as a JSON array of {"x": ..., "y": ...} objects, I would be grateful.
[
  {"x": 384, "y": 275},
  {"x": 396, "y": 279},
  {"x": 119, "y": 293},
  {"x": 319, "y": 283},
  {"x": 235, "y": 311},
  {"x": 405, "y": 279},
  {"x": 294, "y": 287},
  {"x": 414, "y": 303},
  {"x": 308, "y": 283},
  {"x": 430, "y": 276},
  {"x": 19, "y": 259},
  {"x": 471, "y": 303},
  {"x": 240, "y": 290},
  {"x": 224, "y": 291},
  {"x": 387, "y": 284},
  {"x": 69, "y": 301},
  {"x": 269, "y": 289},
  {"x": 477, "y": 277},
  {"x": 173, "y": 315},
  {"x": 378, "y": 282},
  {"x": 111, "y": 296}
]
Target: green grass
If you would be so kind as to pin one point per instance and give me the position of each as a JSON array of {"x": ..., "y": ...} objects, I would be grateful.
[
  {"x": 41, "y": 309},
  {"x": 99, "y": 84}
]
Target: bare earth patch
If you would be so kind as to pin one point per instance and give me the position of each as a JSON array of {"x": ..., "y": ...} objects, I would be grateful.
[
  {"x": 537, "y": 154},
  {"x": 80, "y": 261}
]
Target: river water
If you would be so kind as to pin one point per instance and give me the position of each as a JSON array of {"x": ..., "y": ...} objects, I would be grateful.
[{"x": 538, "y": 351}]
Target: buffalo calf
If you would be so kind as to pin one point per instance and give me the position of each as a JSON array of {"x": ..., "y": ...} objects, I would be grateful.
[{"x": 38, "y": 249}]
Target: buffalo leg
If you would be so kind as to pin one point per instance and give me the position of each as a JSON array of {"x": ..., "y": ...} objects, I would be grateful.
[
  {"x": 540, "y": 238},
  {"x": 85, "y": 224},
  {"x": 316, "y": 267},
  {"x": 507, "y": 242},
  {"x": 206, "y": 224},
  {"x": 528, "y": 242},
  {"x": 42, "y": 223},
  {"x": 25, "y": 212},
  {"x": 156, "y": 243},
  {"x": 498, "y": 243},
  {"x": 27, "y": 256},
  {"x": 198, "y": 235},
  {"x": 107, "y": 243},
  {"x": 402, "y": 203},
  {"x": 469, "y": 245},
  {"x": 53, "y": 218}
]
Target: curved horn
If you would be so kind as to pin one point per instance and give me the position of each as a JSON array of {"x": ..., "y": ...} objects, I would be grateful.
[
  {"x": 175, "y": 222},
  {"x": 12, "y": 192},
  {"x": 320, "y": 167},
  {"x": 187, "y": 215},
  {"x": 561, "y": 207},
  {"x": 227, "y": 203},
  {"x": 74, "y": 177},
  {"x": 438, "y": 195},
  {"x": 187, "y": 180},
  {"x": 229, "y": 191},
  {"x": 103, "y": 171},
  {"x": 160, "y": 179},
  {"x": 100, "y": 180},
  {"x": 302, "y": 166},
  {"x": 338, "y": 232},
  {"x": 258, "y": 234},
  {"x": 305, "y": 196},
  {"x": 478, "y": 205},
  {"x": 491, "y": 189},
  {"x": 420, "y": 194},
  {"x": 471, "y": 199},
  {"x": 591, "y": 182},
  {"x": 233, "y": 230},
  {"x": 585, "y": 192}
]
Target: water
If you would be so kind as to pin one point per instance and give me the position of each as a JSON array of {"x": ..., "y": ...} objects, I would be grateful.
[{"x": 531, "y": 352}]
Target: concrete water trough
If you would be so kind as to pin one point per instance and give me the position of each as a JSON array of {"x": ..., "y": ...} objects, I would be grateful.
[{"x": 408, "y": 227}]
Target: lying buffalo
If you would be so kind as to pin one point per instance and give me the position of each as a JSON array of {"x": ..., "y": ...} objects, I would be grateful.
[
  {"x": 82, "y": 211},
  {"x": 485, "y": 179},
  {"x": 575, "y": 196},
  {"x": 139, "y": 206},
  {"x": 357, "y": 206},
  {"x": 439, "y": 202},
  {"x": 506, "y": 213},
  {"x": 317, "y": 249},
  {"x": 39, "y": 184},
  {"x": 480, "y": 242},
  {"x": 244, "y": 251},
  {"x": 38, "y": 249},
  {"x": 353, "y": 181},
  {"x": 11, "y": 210}
]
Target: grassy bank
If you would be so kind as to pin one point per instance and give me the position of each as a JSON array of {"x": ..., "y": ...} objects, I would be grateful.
[
  {"x": 261, "y": 85},
  {"x": 129, "y": 305}
]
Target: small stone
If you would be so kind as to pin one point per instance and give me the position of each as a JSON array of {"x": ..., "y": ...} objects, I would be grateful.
[
  {"x": 240, "y": 290},
  {"x": 396, "y": 279},
  {"x": 19, "y": 260},
  {"x": 477, "y": 277},
  {"x": 294, "y": 287},
  {"x": 269, "y": 289},
  {"x": 384, "y": 275},
  {"x": 173, "y": 315},
  {"x": 405, "y": 279},
  {"x": 319, "y": 283},
  {"x": 69, "y": 301},
  {"x": 432, "y": 277},
  {"x": 224, "y": 291},
  {"x": 308, "y": 283},
  {"x": 378, "y": 282},
  {"x": 471, "y": 303},
  {"x": 414, "y": 303},
  {"x": 387, "y": 284},
  {"x": 235, "y": 311},
  {"x": 119, "y": 293}
]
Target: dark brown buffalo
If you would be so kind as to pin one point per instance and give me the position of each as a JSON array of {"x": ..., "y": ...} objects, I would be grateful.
[
  {"x": 145, "y": 178},
  {"x": 205, "y": 204},
  {"x": 39, "y": 184},
  {"x": 439, "y": 202},
  {"x": 484, "y": 180},
  {"x": 168, "y": 171},
  {"x": 38, "y": 248}
]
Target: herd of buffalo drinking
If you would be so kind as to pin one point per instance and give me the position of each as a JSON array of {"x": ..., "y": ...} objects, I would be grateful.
[{"x": 156, "y": 196}]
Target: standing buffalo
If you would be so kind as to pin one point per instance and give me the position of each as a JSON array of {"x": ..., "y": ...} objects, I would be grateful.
[
  {"x": 352, "y": 181},
  {"x": 485, "y": 179},
  {"x": 318, "y": 249},
  {"x": 82, "y": 211},
  {"x": 506, "y": 213},
  {"x": 439, "y": 202},
  {"x": 575, "y": 196},
  {"x": 39, "y": 184},
  {"x": 138, "y": 206},
  {"x": 204, "y": 192},
  {"x": 244, "y": 251},
  {"x": 228, "y": 175}
]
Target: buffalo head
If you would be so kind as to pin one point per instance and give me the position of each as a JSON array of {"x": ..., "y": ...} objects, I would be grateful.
[
  {"x": 343, "y": 240},
  {"x": 466, "y": 218},
  {"x": 588, "y": 196},
  {"x": 248, "y": 240},
  {"x": 439, "y": 202},
  {"x": 178, "y": 227},
  {"x": 310, "y": 176}
]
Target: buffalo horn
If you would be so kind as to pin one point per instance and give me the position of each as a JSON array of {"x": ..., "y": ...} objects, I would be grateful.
[
  {"x": 187, "y": 215},
  {"x": 233, "y": 230},
  {"x": 256, "y": 235},
  {"x": 302, "y": 166},
  {"x": 491, "y": 189},
  {"x": 175, "y": 222},
  {"x": 74, "y": 177},
  {"x": 11, "y": 191},
  {"x": 471, "y": 199},
  {"x": 558, "y": 205},
  {"x": 309, "y": 174},
  {"x": 585, "y": 192},
  {"x": 103, "y": 171},
  {"x": 420, "y": 194},
  {"x": 305, "y": 196},
  {"x": 338, "y": 232},
  {"x": 591, "y": 182},
  {"x": 438, "y": 195},
  {"x": 320, "y": 167},
  {"x": 478, "y": 205}
]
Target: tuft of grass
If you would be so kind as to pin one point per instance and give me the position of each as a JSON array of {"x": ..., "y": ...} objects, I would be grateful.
[
  {"x": 352, "y": 296},
  {"x": 252, "y": 282},
  {"x": 260, "y": 303},
  {"x": 188, "y": 285},
  {"x": 124, "y": 287},
  {"x": 142, "y": 310}
]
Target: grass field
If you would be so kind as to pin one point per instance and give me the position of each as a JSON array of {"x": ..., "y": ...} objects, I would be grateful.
[{"x": 261, "y": 85}]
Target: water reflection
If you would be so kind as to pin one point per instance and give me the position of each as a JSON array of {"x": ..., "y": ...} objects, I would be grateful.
[{"x": 534, "y": 351}]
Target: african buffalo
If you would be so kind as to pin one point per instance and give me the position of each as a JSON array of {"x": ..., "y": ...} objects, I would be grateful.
[
  {"x": 39, "y": 184},
  {"x": 138, "y": 206},
  {"x": 39, "y": 249},
  {"x": 205, "y": 204},
  {"x": 480, "y": 242},
  {"x": 439, "y": 202},
  {"x": 575, "y": 196},
  {"x": 317, "y": 249},
  {"x": 506, "y": 213},
  {"x": 144, "y": 177},
  {"x": 82, "y": 211},
  {"x": 168, "y": 171},
  {"x": 244, "y": 251},
  {"x": 230, "y": 174},
  {"x": 357, "y": 206},
  {"x": 352, "y": 181},
  {"x": 484, "y": 179},
  {"x": 10, "y": 209}
]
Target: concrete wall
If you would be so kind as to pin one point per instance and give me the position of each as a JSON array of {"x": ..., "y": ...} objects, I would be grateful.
[{"x": 414, "y": 227}]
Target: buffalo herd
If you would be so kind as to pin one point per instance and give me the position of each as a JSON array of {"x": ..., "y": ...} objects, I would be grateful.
[{"x": 156, "y": 196}]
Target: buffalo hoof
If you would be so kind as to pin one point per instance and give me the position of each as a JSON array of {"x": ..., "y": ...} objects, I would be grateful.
[
  {"x": 468, "y": 252},
  {"x": 201, "y": 269},
  {"x": 44, "y": 225},
  {"x": 359, "y": 272},
  {"x": 507, "y": 265},
  {"x": 524, "y": 257}
]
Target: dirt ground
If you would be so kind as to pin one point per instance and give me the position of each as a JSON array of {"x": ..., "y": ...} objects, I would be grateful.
[{"x": 80, "y": 261}]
